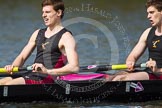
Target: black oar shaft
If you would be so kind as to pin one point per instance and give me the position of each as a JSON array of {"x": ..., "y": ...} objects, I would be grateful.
[{"x": 95, "y": 68}]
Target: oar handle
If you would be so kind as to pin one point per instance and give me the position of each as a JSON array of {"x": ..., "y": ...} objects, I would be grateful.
[
  {"x": 16, "y": 69},
  {"x": 96, "y": 68},
  {"x": 124, "y": 66}
]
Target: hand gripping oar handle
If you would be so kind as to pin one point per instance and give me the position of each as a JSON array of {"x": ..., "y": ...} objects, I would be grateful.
[
  {"x": 16, "y": 69},
  {"x": 95, "y": 68}
]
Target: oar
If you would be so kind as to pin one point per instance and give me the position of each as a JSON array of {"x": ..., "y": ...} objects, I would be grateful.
[
  {"x": 91, "y": 68},
  {"x": 17, "y": 69},
  {"x": 97, "y": 68}
]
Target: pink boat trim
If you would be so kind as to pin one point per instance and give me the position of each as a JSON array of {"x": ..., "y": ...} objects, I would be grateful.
[{"x": 79, "y": 77}]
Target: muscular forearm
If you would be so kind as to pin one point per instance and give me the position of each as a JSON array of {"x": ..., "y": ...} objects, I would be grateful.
[
  {"x": 158, "y": 70},
  {"x": 19, "y": 61},
  {"x": 68, "y": 69},
  {"x": 131, "y": 59}
]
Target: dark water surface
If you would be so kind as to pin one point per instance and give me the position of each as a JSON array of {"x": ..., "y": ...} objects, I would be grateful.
[{"x": 105, "y": 31}]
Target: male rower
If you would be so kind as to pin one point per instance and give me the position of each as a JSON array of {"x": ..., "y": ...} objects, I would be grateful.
[
  {"x": 56, "y": 49},
  {"x": 56, "y": 56},
  {"x": 151, "y": 39}
]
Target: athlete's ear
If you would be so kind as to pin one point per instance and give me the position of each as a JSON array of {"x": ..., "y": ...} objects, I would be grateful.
[{"x": 59, "y": 12}]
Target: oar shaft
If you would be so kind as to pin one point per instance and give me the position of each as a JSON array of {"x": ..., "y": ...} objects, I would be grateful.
[{"x": 95, "y": 68}]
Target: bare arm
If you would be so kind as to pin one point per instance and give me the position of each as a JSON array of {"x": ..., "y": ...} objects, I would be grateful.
[
  {"x": 27, "y": 50},
  {"x": 137, "y": 50},
  {"x": 153, "y": 66}
]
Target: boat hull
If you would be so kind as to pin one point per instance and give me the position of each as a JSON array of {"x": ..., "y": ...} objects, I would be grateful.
[{"x": 84, "y": 91}]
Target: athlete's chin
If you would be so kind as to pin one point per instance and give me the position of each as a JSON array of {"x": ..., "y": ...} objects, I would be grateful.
[
  {"x": 46, "y": 24},
  {"x": 153, "y": 24}
]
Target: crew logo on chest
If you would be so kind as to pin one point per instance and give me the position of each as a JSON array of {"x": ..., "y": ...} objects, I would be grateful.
[
  {"x": 155, "y": 43},
  {"x": 44, "y": 45}
]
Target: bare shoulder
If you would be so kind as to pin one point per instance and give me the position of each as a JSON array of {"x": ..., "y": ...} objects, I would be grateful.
[
  {"x": 34, "y": 35},
  {"x": 147, "y": 30},
  {"x": 67, "y": 37},
  {"x": 145, "y": 33},
  {"x": 67, "y": 41}
]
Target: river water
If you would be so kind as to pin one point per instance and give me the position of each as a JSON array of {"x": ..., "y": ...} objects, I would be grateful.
[{"x": 105, "y": 32}]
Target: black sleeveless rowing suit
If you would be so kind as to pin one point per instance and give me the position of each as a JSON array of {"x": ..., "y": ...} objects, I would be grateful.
[
  {"x": 154, "y": 44},
  {"x": 49, "y": 55}
]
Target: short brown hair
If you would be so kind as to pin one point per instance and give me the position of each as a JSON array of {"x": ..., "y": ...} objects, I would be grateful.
[
  {"x": 57, "y": 5},
  {"x": 156, "y": 3}
]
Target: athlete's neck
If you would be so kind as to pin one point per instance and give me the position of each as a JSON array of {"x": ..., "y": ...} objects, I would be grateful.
[
  {"x": 158, "y": 31},
  {"x": 53, "y": 30},
  {"x": 55, "y": 26}
]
